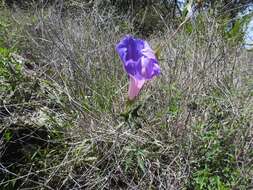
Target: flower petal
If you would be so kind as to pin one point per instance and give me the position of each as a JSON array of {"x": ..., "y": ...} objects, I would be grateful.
[
  {"x": 134, "y": 47},
  {"x": 134, "y": 87},
  {"x": 152, "y": 69},
  {"x": 130, "y": 48},
  {"x": 148, "y": 52},
  {"x": 139, "y": 62}
]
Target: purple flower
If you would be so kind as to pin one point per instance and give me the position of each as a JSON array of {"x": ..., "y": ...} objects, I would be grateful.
[{"x": 139, "y": 61}]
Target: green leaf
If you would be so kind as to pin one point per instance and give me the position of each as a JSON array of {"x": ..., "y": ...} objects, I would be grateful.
[
  {"x": 158, "y": 51},
  {"x": 141, "y": 163},
  {"x": 187, "y": 9},
  {"x": 7, "y": 135}
]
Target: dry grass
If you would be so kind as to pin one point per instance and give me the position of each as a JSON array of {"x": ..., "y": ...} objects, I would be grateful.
[{"x": 192, "y": 128}]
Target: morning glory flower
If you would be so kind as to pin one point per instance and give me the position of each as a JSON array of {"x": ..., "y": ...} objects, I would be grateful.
[{"x": 139, "y": 62}]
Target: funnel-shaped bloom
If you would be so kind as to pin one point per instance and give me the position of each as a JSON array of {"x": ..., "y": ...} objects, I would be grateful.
[{"x": 139, "y": 62}]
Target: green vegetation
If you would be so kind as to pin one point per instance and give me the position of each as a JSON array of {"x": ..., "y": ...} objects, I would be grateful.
[{"x": 65, "y": 122}]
